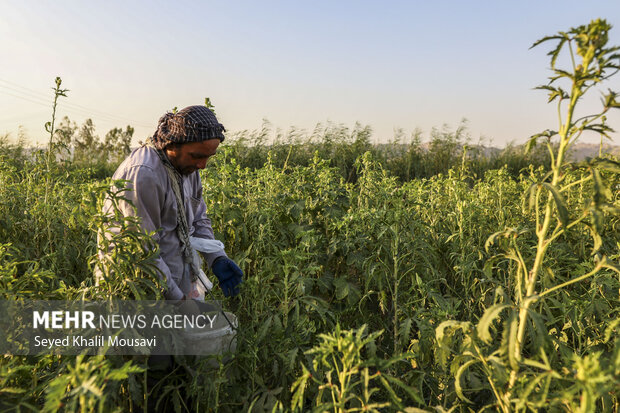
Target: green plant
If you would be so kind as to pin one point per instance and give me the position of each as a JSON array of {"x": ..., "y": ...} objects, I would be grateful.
[
  {"x": 86, "y": 385},
  {"x": 124, "y": 264},
  {"x": 334, "y": 233},
  {"x": 342, "y": 381},
  {"x": 519, "y": 366}
]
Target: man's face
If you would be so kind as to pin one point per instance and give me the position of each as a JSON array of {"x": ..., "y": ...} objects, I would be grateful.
[{"x": 191, "y": 156}]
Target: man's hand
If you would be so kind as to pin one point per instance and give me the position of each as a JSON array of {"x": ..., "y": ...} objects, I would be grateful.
[{"x": 229, "y": 274}]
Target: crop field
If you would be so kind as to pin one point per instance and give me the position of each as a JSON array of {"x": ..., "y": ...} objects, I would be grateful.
[{"x": 388, "y": 278}]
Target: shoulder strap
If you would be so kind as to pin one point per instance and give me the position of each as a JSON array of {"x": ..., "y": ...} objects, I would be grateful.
[{"x": 176, "y": 181}]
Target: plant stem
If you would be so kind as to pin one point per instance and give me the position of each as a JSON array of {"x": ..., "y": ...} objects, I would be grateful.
[
  {"x": 574, "y": 280},
  {"x": 543, "y": 243},
  {"x": 50, "y": 153},
  {"x": 396, "y": 282}
]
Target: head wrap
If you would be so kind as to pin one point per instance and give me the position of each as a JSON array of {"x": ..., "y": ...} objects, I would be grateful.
[{"x": 191, "y": 124}]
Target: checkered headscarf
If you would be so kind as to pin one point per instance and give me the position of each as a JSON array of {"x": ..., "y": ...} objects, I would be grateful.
[{"x": 192, "y": 124}]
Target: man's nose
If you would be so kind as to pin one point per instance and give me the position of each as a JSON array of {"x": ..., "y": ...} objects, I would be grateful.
[{"x": 201, "y": 164}]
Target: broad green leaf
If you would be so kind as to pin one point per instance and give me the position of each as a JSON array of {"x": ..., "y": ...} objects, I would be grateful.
[
  {"x": 344, "y": 288},
  {"x": 488, "y": 267}
]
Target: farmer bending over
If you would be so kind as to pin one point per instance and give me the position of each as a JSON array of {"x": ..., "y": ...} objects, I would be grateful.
[{"x": 164, "y": 176}]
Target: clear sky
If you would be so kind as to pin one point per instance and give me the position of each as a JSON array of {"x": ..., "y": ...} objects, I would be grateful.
[{"x": 391, "y": 64}]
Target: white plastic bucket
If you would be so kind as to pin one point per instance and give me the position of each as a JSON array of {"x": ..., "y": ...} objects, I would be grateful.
[{"x": 218, "y": 339}]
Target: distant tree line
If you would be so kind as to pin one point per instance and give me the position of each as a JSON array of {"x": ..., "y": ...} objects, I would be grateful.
[
  {"x": 83, "y": 145},
  {"x": 407, "y": 158}
]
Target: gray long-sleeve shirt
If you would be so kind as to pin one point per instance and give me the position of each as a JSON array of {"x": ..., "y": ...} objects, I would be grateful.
[{"x": 155, "y": 204}]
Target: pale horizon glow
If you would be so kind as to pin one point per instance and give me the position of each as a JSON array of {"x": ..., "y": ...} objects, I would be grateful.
[{"x": 407, "y": 65}]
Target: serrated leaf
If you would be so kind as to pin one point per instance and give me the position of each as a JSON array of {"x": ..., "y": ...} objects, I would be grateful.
[
  {"x": 491, "y": 240},
  {"x": 545, "y": 87},
  {"x": 413, "y": 394},
  {"x": 609, "y": 331},
  {"x": 610, "y": 209},
  {"x": 560, "y": 73},
  {"x": 610, "y": 265},
  {"x": 597, "y": 222},
  {"x": 539, "y": 334},
  {"x": 443, "y": 335},
  {"x": 523, "y": 398},
  {"x": 609, "y": 100},
  {"x": 606, "y": 165},
  {"x": 457, "y": 381},
  {"x": 262, "y": 331},
  {"x": 546, "y": 39},
  {"x": 513, "y": 326},
  {"x": 535, "y": 364},
  {"x": 405, "y": 330},
  {"x": 530, "y": 197},
  {"x": 600, "y": 128},
  {"x": 534, "y": 139},
  {"x": 488, "y": 268},
  {"x": 397, "y": 400},
  {"x": 292, "y": 356},
  {"x": 298, "y": 389},
  {"x": 90, "y": 386},
  {"x": 560, "y": 203},
  {"x": 486, "y": 320},
  {"x": 554, "y": 92},
  {"x": 531, "y": 142},
  {"x": 14, "y": 390}
]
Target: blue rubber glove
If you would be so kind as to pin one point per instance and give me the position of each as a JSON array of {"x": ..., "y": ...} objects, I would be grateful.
[{"x": 229, "y": 274}]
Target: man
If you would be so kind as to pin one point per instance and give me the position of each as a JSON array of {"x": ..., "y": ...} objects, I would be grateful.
[{"x": 165, "y": 188}]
